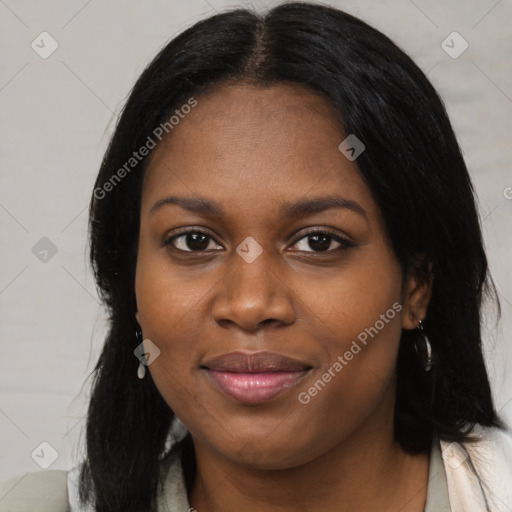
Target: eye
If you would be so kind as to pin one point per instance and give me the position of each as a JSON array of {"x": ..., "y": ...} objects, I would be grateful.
[
  {"x": 320, "y": 241},
  {"x": 192, "y": 241},
  {"x": 317, "y": 241}
]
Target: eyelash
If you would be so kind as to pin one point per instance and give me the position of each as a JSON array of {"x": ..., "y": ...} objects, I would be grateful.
[{"x": 344, "y": 243}]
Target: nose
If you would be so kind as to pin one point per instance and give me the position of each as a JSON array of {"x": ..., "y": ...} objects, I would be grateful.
[{"x": 253, "y": 295}]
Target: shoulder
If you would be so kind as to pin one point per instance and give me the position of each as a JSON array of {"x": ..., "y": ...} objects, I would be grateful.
[
  {"x": 493, "y": 449},
  {"x": 44, "y": 491},
  {"x": 57, "y": 490},
  {"x": 480, "y": 472}
]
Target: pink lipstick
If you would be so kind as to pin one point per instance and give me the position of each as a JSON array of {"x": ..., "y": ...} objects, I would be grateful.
[{"x": 254, "y": 378}]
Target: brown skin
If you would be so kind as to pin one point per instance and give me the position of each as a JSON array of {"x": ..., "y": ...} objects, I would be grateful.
[{"x": 250, "y": 149}]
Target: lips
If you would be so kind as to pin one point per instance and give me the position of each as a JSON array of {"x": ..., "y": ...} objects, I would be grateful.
[
  {"x": 258, "y": 362},
  {"x": 254, "y": 378}
]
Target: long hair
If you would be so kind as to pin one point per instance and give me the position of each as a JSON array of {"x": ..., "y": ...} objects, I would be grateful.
[{"x": 417, "y": 176}]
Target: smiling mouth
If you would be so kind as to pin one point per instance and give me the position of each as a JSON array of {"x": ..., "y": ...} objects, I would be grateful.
[{"x": 254, "y": 378}]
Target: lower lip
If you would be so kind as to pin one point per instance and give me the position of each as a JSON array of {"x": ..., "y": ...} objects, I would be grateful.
[{"x": 254, "y": 388}]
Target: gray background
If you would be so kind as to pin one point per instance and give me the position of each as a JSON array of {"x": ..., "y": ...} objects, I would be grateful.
[{"x": 57, "y": 116}]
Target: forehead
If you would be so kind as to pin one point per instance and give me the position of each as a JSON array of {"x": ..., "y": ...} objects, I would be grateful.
[{"x": 245, "y": 145}]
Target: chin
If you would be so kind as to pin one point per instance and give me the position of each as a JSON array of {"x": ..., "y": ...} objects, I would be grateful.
[{"x": 265, "y": 454}]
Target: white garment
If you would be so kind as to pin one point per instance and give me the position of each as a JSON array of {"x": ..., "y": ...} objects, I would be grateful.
[{"x": 491, "y": 459}]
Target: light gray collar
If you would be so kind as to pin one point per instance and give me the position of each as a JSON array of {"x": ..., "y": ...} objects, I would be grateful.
[
  {"x": 174, "y": 496},
  {"x": 437, "y": 490}
]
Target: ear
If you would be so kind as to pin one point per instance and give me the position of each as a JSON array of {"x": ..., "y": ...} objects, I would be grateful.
[
  {"x": 417, "y": 292},
  {"x": 137, "y": 316}
]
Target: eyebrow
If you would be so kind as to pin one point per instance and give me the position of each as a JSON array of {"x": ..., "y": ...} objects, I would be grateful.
[{"x": 299, "y": 208}]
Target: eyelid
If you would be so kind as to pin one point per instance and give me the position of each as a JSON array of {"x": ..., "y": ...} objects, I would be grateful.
[
  {"x": 344, "y": 241},
  {"x": 321, "y": 230},
  {"x": 185, "y": 231}
]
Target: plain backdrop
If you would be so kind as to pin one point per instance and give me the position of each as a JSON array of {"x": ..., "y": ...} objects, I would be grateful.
[{"x": 58, "y": 113}]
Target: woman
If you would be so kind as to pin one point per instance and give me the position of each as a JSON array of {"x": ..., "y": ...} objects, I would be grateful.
[{"x": 284, "y": 232}]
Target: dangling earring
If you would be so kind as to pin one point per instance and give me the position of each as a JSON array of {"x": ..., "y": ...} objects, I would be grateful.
[
  {"x": 141, "y": 371},
  {"x": 424, "y": 349}
]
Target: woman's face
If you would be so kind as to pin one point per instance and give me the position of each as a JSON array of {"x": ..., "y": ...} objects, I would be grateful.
[{"x": 255, "y": 278}]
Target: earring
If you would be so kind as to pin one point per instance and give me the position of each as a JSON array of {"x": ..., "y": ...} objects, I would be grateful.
[
  {"x": 141, "y": 371},
  {"x": 424, "y": 349}
]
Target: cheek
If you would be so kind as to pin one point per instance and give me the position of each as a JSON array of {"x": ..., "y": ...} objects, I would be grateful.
[
  {"x": 168, "y": 304},
  {"x": 167, "y": 319},
  {"x": 358, "y": 327},
  {"x": 166, "y": 300},
  {"x": 362, "y": 301},
  {"x": 357, "y": 384},
  {"x": 359, "y": 367}
]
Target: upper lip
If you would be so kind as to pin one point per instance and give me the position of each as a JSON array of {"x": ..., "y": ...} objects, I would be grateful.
[{"x": 244, "y": 362}]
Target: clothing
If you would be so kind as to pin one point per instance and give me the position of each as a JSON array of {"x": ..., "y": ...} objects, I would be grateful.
[
  {"x": 491, "y": 458},
  {"x": 437, "y": 490}
]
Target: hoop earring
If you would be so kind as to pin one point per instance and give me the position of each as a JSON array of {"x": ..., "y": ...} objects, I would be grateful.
[
  {"x": 424, "y": 349},
  {"x": 141, "y": 371}
]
